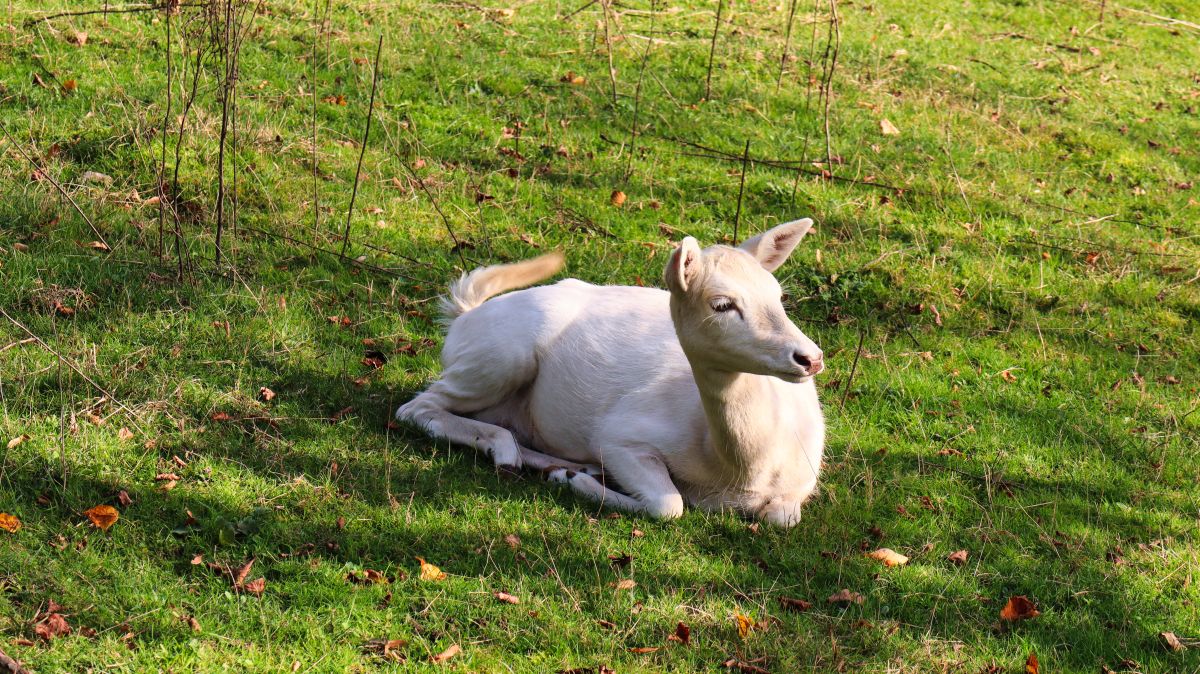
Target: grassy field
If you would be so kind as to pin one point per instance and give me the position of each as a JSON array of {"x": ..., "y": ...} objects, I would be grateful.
[{"x": 1007, "y": 205}]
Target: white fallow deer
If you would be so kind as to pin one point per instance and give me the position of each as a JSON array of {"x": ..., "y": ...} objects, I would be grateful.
[{"x": 701, "y": 394}]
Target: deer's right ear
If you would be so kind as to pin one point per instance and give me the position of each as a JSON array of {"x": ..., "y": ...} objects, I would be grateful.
[{"x": 681, "y": 268}]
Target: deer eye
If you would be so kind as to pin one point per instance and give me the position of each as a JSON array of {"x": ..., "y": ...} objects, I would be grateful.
[{"x": 722, "y": 304}]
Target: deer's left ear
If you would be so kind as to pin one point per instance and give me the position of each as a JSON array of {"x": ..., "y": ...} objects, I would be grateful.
[{"x": 772, "y": 247}]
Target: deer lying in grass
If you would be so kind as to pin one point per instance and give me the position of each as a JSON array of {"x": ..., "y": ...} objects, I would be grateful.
[{"x": 701, "y": 394}]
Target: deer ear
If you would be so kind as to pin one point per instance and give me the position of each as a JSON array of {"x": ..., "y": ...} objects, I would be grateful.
[
  {"x": 772, "y": 247},
  {"x": 681, "y": 268}
]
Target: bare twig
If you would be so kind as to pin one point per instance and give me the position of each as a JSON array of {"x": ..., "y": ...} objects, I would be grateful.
[
  {"x": 162, "y": 171},
  {"x": 66, "y": 361},
  {"x": 458, "y": 247},
  {"x": 587, "y": 4},
  {"x": 741, "y": 190},
  {"x": 111, "y": 10},
  {"x": 637, "y": 94},
  {"x": 612, "y": 71},
  {"x": 226, "y": 87},
  {"x": 853, "y": 368},
  {"x": 787, "y": 46},
  {"x": 363, "y": 150},
  {"x": 712, "y": 50},
  {"x": 46, "y": 174},
  {"x": 836, "y": 29},
  {"x": 316, "y": 193}
]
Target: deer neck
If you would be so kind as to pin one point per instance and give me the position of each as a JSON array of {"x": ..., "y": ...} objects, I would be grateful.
[{"x": 742, "y": 412}]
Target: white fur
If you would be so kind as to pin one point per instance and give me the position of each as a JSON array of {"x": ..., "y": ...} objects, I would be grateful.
[{"x": 674, "y": 401}]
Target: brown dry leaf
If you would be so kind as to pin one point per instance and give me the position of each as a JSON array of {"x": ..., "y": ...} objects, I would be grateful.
[
  {"x": 507, "y": 598},
  {"x": 641, "y": 650},
  {"x": 683, "y": 634},
  {"x": 617, "y": 198},
  {"x": 239, "y": 577},
  {"x": 1019, "y": 608},
  {"x": 197, "y": 560},
  {"x": 889, "y": 557},
  {"x": 445, "y": 655},
  {"x": 123, "y": 498},
  {"x": 958, "y": 557},
  {"x": 52, "y": 625},
  {"x": 1008, "y": 376},
  {"x": 1171, "y": 641},
  {"x": 266, "y": 394},
  {"x": 256, "y": 587},
  {"x": 625, "y": 584},
  {"x": 888, "y": 128},
  {"x": 77, "y": 38},
  {"x": 793, "y": 604},
  {"x": 734, "y": 663},
  {"x": 513, "y": 541},
  {"x": 103, "y": 516},
  {"x": 384, "y": 647},
  {"x": 1031, "y": 664},
  {"x": 125, "y": 434},
  {"x": 845, "y": 596},
  {"x": 10, "y": 523},
  {"x": 368, "y": 577},
  {"x": 191, "y": 622},
  {"x": 70, "y": 85},
  {"x": 430, "y": 572},
  {"x": 17, "y": 440},
  {"x": 744, "y": 624}
]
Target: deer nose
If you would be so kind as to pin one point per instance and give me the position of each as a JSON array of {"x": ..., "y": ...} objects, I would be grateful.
[{"x": 811, "y": 364}]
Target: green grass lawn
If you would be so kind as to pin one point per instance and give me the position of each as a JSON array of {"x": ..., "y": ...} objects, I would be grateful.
[{"x": 1019, "y": 260}]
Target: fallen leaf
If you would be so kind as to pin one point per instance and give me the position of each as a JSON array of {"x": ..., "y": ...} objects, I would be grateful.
[
  {"x": 52, "y": 625},
  {"x": 103, "y": 516},
  {"x": 744, "y": 624},
  {"x": 617, "y": 198},
  {"x": 1019, "y": 608},
  {"x": 507, "y": 598},
  {"x": 637, "y": 533},
  {"x": 641, "y": 650},
  {"x": 683, "y": 634},
  {"x": 430, "y": 572},
  {"x": 239, "y": 577},
  {"x": 888, "y": 128},
  {"x": 513, "y": 541},
  {"x": 10, "y": 523},
  {"x": 125, "y": 434},
  {"x": 1171, "y": 641},
  {"x": 1031, "y": 664},
  {"x": 620, "y": 561},
  {"x": 256, "y": 587},
  {"x": 746, "y": 667},
  {"x": 368, "y": 577},
  {"x": 385, "y": 647},
  {"x": 793, "y": 604},
  {"x": 845, "y": 596},
  {"x": 445, "y": 655},
  {"x": 958, "y": 557},
  {"x": 625, "y": 584},
  {"x": 889, "y": 557},
  {"x": 192, "y": 622},
  {"x": 1008, "y": 376},
  {"x": 266, "y": 394},
  {"x": 77, "y": 38},
  {"x": 607, "y": 624},
  {"x": 17, "y": 440},
  {"x": 70, "y": 85}
]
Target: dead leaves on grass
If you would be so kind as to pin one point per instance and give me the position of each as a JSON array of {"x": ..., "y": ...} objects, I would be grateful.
[
  {"x": 102, "y": 516},
  {"x": 430, "y": 572},
  {"x": 888, "y": 556},
  {"x": 445, "y": 655},
  {"x": 845, "y": 597},
  {"x": 1019, "y": 608},
  {"x": 10, "y": 523}
]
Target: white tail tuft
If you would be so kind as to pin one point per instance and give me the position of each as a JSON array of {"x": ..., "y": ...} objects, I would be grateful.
[{"x": 476, "y": 287}]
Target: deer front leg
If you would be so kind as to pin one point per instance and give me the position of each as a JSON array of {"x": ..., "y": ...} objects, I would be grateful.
[{"x": 651, "y": 490}]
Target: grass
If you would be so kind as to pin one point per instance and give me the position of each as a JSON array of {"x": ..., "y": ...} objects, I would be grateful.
[{"x": 1024, "y": 286}]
